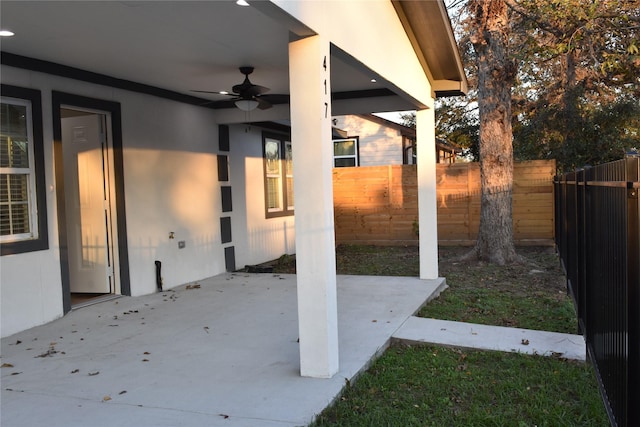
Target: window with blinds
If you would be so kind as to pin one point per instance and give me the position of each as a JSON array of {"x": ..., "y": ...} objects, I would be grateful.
[
  {"x": 18, "y": 220},
  {"x": 278, "y": 175}
]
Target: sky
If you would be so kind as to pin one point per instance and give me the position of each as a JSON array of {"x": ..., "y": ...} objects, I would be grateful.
[{"x": 394, "y": 116}]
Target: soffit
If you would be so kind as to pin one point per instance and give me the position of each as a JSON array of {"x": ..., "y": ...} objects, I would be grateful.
[
  {"x": 180, "y": 46},
  {"x": 428, "y": 26}
]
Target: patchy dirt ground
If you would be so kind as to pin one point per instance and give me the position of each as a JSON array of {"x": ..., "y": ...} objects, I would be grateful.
[
  {"x": 540, "y": 272},
  {"x": 527, "y": 295}
]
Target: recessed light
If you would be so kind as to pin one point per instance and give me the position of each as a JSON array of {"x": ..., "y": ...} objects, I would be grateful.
[
  {"x": 223, "y": 92},
  {"x": 374, "y": 81},
  {"x": 6, "y": 33},
  {"x": 242, "y": 3}
]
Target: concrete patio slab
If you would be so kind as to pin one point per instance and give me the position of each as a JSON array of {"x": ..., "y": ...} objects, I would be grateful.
[
  {"x": 483, "y": 337},
  {"x": 224, "y": 353}
]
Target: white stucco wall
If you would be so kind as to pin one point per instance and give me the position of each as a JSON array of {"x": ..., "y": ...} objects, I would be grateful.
[
  {"x": 378, "y": 145},
  {"x": 364, "y": 29},
  {"x": 30, "y": 284},
  {"x": 170, "y": 170},
  {"x": 256, "y": 239},
  {"x": 171, "y": 184}
]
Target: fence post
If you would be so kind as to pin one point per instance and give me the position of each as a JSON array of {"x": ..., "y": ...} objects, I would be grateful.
[
  {"x": 581, "y": 249},
  {"x": 633, "y": 290}
]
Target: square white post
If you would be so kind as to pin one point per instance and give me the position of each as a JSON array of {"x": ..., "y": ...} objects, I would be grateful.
[
  {"x": 310, "y": 89},
  {"x": 427, "y": 202}
]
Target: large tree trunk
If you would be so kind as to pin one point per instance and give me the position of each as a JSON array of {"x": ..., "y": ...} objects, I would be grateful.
[{"x": 495, "y": 77}]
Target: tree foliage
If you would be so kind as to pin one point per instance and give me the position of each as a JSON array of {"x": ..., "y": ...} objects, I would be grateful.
[{"x": 575, "y": 95}]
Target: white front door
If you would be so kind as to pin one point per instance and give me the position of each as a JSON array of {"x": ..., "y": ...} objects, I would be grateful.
[{"x": 86, "y": 192}]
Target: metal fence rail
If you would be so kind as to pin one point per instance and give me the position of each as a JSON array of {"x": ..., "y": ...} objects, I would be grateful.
[{"x": 598, "y": 239}]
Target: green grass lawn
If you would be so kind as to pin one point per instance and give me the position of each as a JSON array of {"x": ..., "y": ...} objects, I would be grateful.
[
  {"x": 436, "y": 386},
  {"x": 530, "y": 295}
]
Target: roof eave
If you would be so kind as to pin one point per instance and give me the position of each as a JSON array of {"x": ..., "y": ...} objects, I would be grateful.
[{"x": 429, "y": 29}]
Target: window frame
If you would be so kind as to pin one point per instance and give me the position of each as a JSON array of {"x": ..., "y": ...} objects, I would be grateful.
[
  {"x": 38, "y": 238},
  {"x": 284, "y": 175},
  {"x": 355, "y": 156}
]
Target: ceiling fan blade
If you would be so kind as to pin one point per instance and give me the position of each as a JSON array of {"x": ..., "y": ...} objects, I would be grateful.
[
  {"x": 248, "y": 90},
  {"x": 256, "y": 90},
  {"x": 214, "y": 92},
  {"x": 263, "y": 104}
]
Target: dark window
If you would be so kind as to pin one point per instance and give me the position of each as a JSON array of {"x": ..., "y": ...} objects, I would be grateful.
[
  {"x": 23, "y": 219},
  {"x": 345, "y": 152},
  {"x": 278, "y": 175}
]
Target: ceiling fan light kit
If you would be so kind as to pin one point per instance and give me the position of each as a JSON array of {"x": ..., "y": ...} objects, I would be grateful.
[{"x": 246, "y": 104}]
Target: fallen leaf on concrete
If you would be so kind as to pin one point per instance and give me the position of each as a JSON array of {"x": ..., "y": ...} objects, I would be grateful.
[
  {"x": 224, "y": 416},
  {"x": 75, "y": 371},
  {"x": 50, "y": 352},
  {"x": 106, "y": 398},
  {"x": 122, "y": 392},
  {"x": 524, "y": 342},
  {"x": 146, "y": 352},
  {"x": 206, "y": 329},
  {"x": 145, "y": 360},
  {"x": 6, "y": 365},
  {"x": 16, "y": 373},
  {"x": 92, "y": 374},
  {"x": 195, "y": 286}
]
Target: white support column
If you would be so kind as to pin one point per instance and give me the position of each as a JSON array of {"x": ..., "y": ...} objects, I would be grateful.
[
  {"x": 427, "y": 202},
  {"x": 309, "y": 82}
]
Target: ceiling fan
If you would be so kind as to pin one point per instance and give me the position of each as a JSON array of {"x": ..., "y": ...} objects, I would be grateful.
[{"x": 247, "y": 96}]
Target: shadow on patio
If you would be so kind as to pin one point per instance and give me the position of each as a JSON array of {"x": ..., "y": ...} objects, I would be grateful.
[{"x": 221, "y": 353}]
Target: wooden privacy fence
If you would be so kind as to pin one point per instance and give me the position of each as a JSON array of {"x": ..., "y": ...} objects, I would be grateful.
[{"x": 379, "y": 204}]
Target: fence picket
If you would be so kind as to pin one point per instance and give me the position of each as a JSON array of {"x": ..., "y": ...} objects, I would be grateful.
[
  {"x": 598, "y": 240},
  {"x": 394, "y": 189}
]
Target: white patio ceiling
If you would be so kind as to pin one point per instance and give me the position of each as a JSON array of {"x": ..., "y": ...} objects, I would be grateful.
[{"x": 173, "y": 45}]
